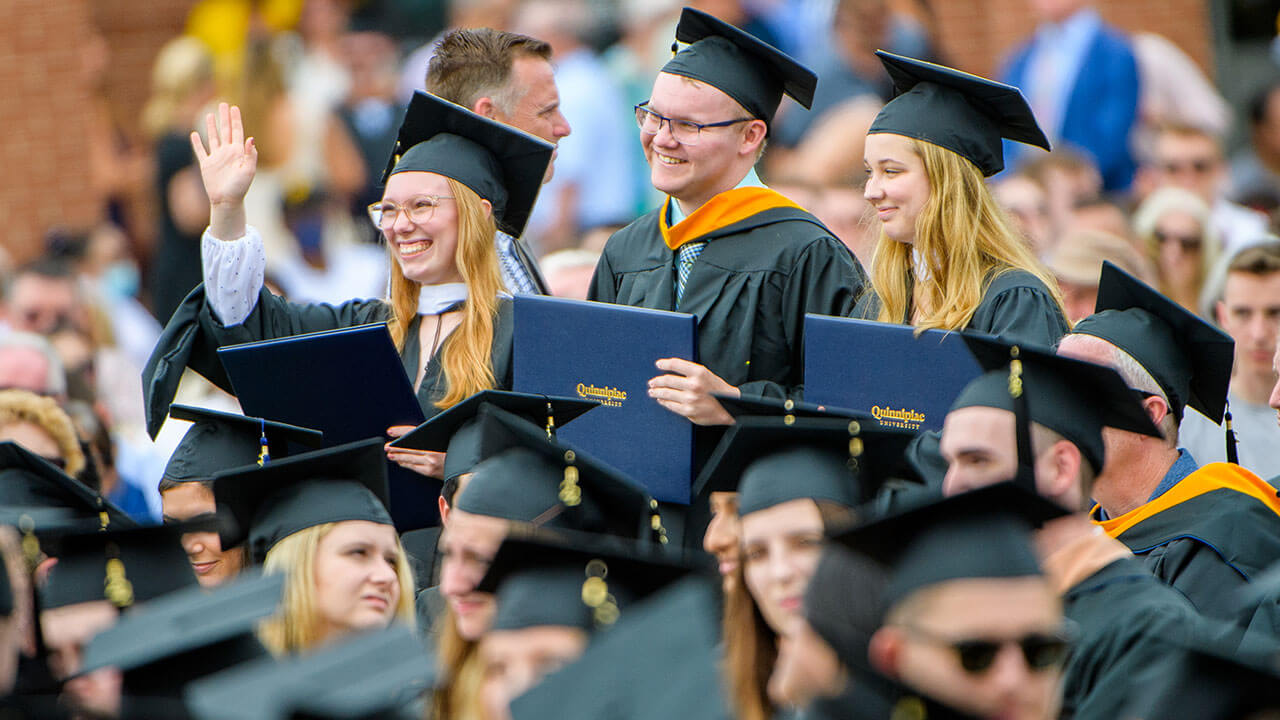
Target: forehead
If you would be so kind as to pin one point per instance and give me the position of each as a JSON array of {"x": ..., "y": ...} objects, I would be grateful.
[
  {"x": 677, "y": 94},
  {"x": 361, "y": 530},
  {"x": 994, "y": 606},
  {"x": 472, "y": 529},
  {"x": 788, "y": 518},
  {"x": 1244, "y": 287},
  {"x": 887, "y": 146},
  {"x": 33, "y": 286},
  {"x": 408, "y": 184},
  {"x": 534, "y": 75},
  {"x": 1172, "y": 144},
  {"x": 977, "y": 427}
]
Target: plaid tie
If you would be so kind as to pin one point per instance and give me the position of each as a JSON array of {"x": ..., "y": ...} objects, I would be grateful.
[{"x": 685, "y": 257}]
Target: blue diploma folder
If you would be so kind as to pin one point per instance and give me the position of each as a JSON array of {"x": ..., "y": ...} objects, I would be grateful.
[
  {"x": 884, "y": 369},
  {"x": 348, "y": 383},
  {"x": 607, "y": 352}
]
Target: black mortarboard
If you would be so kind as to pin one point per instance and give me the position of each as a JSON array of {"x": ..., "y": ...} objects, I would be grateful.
[
  {"x": 220, "y": 441},
  {"x": 270, "y": 503},
  {"x": 1189, "y": 358},
  {"x": 670, "y": 647},
  {"x": 751, "y": 406},
  {"x": 125, "y": 567},
  {"x": 1071, "y": 397},
  {"x": 575, "y": 580},
  {"x": 842, "y": 603},
  {"x": 751, "y": 72},
  {"x": 984, "y": 533},
  {"x": 363, "y": 675},
  {"x": 187, "y": 635},
  {"x": 771, "y": 461},
  {"x": 29, "y": 481},
  {"x": 456, "y": 432},
  {"x": 966, "y": 114},
  {"x": 546, "y": 483},
  {"x": 500, "y": 163}
]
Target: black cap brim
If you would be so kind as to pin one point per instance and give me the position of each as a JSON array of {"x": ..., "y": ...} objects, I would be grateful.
[
  {"x": 29, "y": 481},
  {"x": 434, "y": 434}
]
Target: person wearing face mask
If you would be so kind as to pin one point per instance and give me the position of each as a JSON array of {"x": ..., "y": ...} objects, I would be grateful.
[
  {"x": 453, "y": 178},
  {"x": 795, "y": 480},
  {"x": 948, "y": 257},
  {"x": 217, "y": 441},
  {"x": 320, "y": 518}
]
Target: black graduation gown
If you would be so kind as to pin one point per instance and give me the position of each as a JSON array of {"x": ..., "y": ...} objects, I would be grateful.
[
  {"x": 1127, "y": 621},
  {"x": 750, "y": 288},
  {"x": 1209, "y": 546},
  {"x": 194, "y": 334},
  {"x": 1016, "y": 307}
]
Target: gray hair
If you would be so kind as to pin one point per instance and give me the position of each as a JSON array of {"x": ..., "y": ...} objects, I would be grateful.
[
  {"x": 1139, "y": 378},
  {"x": 55, "y": 378}
]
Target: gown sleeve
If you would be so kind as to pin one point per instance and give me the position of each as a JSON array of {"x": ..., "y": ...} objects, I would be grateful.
[{"x": 1025, "y": 312}]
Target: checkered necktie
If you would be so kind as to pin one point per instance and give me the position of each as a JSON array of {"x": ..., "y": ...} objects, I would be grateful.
[{"x": 685, "y": 257}]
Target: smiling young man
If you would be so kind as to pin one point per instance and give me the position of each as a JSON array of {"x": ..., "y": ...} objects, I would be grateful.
[{"x": 746, "y": 260}]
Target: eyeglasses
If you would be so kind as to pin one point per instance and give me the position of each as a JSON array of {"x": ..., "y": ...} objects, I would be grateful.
[
  {"x": 1042, "y": 651},
  {"x": 685, "y": 132},
  {"x": 419, "y": 209},
  {"x": 1189, "y": 243}
]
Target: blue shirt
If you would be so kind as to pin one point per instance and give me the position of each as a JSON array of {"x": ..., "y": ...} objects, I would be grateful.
[{"x": 1181, "y": 468}]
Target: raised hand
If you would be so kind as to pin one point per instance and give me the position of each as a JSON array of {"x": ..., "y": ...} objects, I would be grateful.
[{"x": 227, "y": 169}]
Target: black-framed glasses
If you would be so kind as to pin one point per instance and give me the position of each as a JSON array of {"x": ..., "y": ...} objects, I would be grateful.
[
  {"x": 419, "y": 208},
  {"x": 685, "y": 132},
  {"x": 1042, "y": 651}
]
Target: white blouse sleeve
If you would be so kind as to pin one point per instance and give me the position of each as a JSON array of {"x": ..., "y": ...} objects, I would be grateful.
[{"x": 233, "y": 274}]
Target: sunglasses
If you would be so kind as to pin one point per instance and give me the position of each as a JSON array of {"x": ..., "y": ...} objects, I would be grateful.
[{"x": 1042, "y": 651}]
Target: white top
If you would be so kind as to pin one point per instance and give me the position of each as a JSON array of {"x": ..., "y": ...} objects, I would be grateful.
[{"x": 1257, "y": 436}]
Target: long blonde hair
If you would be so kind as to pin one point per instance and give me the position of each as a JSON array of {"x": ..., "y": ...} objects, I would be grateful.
[
  {"x": 465, "y": 354},
  {"x": 963, "y": 241},
  {"x": 457, "y": 697},
  {"x": 180, "y": 69},
  {"x": 297, "y": 626}
]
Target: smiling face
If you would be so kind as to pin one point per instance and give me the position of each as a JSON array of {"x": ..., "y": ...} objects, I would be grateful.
[
  {"x": 211, "y": 564},
  {"x": 467, "y": 546},
  {"x": 723, "y": 537},
  {"x": 897, "y": 184},
  {"x": 356, "y": 578},
  {"x": 536, "y": 109},
  {"x": 426, "y": 253},
  {"x": 780, "y": 549},
  {"x": 693, "y": 174}
]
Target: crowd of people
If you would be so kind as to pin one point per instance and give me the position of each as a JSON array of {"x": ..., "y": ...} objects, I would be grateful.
[{"x": 1092, "y": 531}]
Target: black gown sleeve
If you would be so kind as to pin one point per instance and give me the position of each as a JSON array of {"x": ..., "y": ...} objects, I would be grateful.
[{"x": 1018, "y": 307}]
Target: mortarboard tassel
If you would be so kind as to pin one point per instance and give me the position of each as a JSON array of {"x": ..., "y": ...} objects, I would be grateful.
[
  {"x": 1022, "y": 422},
  {"x": 595, "y": 594},
  {"x": 1233, "y": 455},
  {"x": 551, "y": 421},
  {"x": 116, "y": 586},
  {"x": 264, "y": 454}
]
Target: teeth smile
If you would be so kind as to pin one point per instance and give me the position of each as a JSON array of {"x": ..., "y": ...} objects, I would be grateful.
[
  {"x": 669, "y": 160},
  {"x": 413, "y": 248}
]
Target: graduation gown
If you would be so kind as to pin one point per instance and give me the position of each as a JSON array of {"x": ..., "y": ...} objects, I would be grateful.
[
  {"x": 1127, "y": 621},
  {"x": 1208, "y": 536},
  {"x": 194, "y": 334},
  {"x": 1016, "y": 307},
  {"x": 750, "y": 288}
]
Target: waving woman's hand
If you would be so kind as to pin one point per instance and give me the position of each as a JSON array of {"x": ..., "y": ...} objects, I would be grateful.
[{"x": 227, "y": 168}]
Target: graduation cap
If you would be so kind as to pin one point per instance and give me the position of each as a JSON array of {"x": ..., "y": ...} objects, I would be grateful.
[
  {"x": 573, "y": 579},
  {"x": 546, "y": 483},
  {"x": 363, "y": 676},
  {"x": 500, "y": 163},
  {"x": 187, "y": 635},
  {"x": 670, "y": 647},
  {"x": 984, "y": 533},
  {"x": 751, "y": 406},
  {"x": 770, "y": 461},
  {"x": 29, "y": 481},
  {"x": 842, "y": 603},
  {"x": 966, "y": 114},
  {"x": 125, "y": 567},
  {"x": 1189, "y": 358},
  {"x": 457, "y": 433},
  {"x": 751, "y": 72},
  {"x": 1071, "y": 397},
  {"x": 218, "y": 441},
  {"x": 270, "y": 503}
]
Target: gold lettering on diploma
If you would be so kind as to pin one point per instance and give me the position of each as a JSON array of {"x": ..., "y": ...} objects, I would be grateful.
[
  {"x": 612, "y": 397},
  {"x": 906, "y": 418}
]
